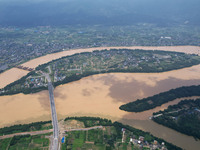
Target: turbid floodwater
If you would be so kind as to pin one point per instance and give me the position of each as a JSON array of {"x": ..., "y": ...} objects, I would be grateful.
[
  {"x": 16, "y": 74},
  {"x": 101, "y": 95},
  {"x": 20, "y": 108},
  {"x": 11, "y": 75}
]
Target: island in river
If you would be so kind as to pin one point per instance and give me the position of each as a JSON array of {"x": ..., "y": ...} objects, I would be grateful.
[
  {"x": 75, "y": 67},
  {"x": 7, "y": 76},
  {"x": 161, "y": 98}
]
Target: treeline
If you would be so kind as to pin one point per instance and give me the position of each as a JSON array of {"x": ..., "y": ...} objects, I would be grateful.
[
  {"x": 93, "y": 121},
  {"x": 23, "y": 128},
  {"x": 25, "y": 91},
  {"x": 186, "y": 121},
  {"x": 159, "y": 99}
]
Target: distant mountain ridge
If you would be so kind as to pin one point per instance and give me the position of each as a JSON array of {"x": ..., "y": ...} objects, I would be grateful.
[{"x": 105, "y": 12}]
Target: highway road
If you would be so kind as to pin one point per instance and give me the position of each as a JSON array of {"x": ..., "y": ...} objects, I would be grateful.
[{"x": 55, "y": 143}]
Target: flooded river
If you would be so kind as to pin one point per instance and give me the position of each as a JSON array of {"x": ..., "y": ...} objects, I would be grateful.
[
  {"x": 101, "y": 95},
  {"x": 11, "y": 76}
]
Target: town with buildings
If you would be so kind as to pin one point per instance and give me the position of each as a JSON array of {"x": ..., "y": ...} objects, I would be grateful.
[
  {"x": 18, "y": 45},
  {"x": 141, "y": 143},
  {"x": 107, "y": 136}
]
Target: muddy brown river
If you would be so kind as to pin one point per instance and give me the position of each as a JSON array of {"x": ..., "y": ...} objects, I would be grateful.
[{"x": 101, "y": 95}]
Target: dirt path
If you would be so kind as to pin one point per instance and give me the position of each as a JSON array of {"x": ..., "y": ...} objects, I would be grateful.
[
  {"x": 25, "y": 133},
  {"x": 85, "y": 129},
  {"x": 47, "y": 131}
]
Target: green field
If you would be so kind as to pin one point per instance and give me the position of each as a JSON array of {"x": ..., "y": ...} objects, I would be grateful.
[
  {"x": 25, "y": 142},
  {"x": 110, "y": 136},
  {"x": 100, "y": 139}
]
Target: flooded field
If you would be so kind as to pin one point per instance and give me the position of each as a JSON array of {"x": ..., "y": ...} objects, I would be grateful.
[{"x": 101, "y": 95}]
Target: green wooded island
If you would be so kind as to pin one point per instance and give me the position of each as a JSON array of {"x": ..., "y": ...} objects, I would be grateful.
[
  {"x": 75, "y": 67},
  {"x": 161, "y": 98}
]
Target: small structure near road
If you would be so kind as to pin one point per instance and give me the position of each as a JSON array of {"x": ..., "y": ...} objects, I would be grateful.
[{"x": 63, "y": 140}]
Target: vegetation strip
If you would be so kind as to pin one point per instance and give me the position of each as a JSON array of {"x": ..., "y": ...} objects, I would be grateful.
[
  {"x": 36, "y": 126},
  {"x": 162, "y": 98},
  {"x": 26, "y": 133}
]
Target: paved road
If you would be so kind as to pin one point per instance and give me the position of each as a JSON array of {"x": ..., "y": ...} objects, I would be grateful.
[{"x": 55, "y": 142}]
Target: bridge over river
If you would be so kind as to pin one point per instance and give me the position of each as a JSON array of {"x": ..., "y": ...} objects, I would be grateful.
[{"x": 55, "y": 143}]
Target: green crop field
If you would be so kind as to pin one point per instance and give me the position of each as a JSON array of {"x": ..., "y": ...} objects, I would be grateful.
[{"x": 25, "y": 142}]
